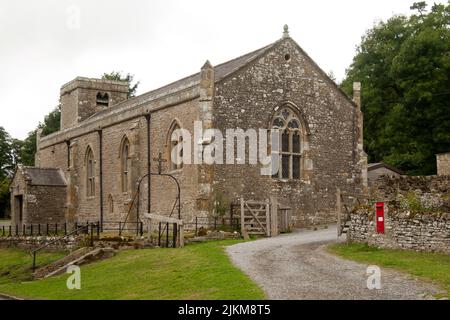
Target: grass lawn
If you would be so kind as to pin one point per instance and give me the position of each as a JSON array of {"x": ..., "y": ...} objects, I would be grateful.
[
  {"x": 198, "y": 271},
  {"x": 15, "y": 264},
  {"x": 428, "y": 266}
]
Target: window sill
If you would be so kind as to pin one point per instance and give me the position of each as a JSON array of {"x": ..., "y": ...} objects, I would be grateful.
[
  {"x": 287, "y": 180},
  {"x": 175, "y": 172}
]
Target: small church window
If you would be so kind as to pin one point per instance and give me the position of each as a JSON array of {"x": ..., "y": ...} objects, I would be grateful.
[
  {"x": 103, "y": 99},
  {"x": 290, "y": 141},
  {"x": 125, "y": 155},
  {"x": 176, "y": 140},
  {"x": 111, "y": 204},
  {"x": 90, "y": 173}
]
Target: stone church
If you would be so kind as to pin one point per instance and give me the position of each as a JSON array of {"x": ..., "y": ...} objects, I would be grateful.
[{"x": 89, "y": 170}]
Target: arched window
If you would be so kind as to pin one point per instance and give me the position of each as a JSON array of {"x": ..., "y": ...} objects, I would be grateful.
[
  {"x": 90, "y": 173},
  {"x": 111, "y": 204},
  {"x": 125, "y": 164},
  {"x": 176, "y": 140},
  {"x": 290, "y": 151}
]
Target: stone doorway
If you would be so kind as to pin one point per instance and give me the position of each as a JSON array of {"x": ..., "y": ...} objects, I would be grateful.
[{"x": 18, "y": 208}]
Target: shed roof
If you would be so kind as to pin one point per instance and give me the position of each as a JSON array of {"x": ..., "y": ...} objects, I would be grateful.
[
  {"x": 374, "y": 166},
  {"x": 43, "y": 176}
]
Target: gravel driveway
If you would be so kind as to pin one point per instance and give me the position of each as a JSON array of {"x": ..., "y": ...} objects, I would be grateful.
[{"x": 297, "y": 267}]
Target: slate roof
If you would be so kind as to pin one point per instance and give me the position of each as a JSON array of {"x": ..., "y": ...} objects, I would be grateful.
[
  {"x": 44, "y": 177},
  {"x": 220, "y": 72}
]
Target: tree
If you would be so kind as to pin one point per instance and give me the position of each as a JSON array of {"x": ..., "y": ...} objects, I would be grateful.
[
  {"x": 6, "y": 169},
  {"x": 117, "y": 76},
  {"x": 50, "y": 125},
  {"x": 6, "y": 158},
  {"x": 404, "y": 65},
  {"x": 52, "y": 122}
]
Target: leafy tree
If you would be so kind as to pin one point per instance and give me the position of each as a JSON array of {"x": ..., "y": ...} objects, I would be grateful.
[
  {"x": 50, "y": 125},
  {"x": 4, "y": 197},
  {"x": 6, "y": 158},
  {"x": 117, "y": 76},
  {"x": 52, "y": 122},
  {"x": 6, "y": 169},
  {"x": 28, "y": 149},
  {"x": 404, "y": 65}
]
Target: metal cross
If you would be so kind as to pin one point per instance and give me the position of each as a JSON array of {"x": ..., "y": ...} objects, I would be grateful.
[{"x": 160, "y": 162}]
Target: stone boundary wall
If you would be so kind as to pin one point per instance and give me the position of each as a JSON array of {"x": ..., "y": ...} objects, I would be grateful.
[
  {"x": 419, "y": 233},
  {"x": 31, "y": 243},
  {"x": 388, "y": 186}
]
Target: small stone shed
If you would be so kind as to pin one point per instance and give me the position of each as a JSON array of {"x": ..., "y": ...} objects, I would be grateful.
[
  {"x": 376, "y": 170},
  {"x": 38, "y": 195}
]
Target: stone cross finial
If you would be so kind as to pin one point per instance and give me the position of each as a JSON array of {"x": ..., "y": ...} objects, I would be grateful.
[
  {"x": 160, "y": 162},
  {"x": 286, "y": 31}
]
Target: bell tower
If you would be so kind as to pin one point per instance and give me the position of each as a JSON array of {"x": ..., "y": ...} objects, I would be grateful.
[{"x": 84, "y": 97}]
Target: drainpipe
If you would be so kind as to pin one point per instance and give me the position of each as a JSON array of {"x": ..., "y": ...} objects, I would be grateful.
[
  {"x": 148, "y": 117},
  {"x": 100, "y": 135},
  {"x": 68, "y": 154}
]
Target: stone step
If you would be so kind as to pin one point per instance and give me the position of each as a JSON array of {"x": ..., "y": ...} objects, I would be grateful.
[
  {"x": 41, "y": 272},
  {"x": 90, "y": 256}
]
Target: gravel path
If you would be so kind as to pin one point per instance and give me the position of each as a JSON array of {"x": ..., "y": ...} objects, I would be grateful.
[{"x": 297, "y": 267}]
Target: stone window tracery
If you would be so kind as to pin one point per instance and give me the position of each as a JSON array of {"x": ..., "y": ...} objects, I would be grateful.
[{"x": 290, "y": 153}]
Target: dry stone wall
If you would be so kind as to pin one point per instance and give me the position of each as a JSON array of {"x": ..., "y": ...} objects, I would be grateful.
[{"x": 411, "y": 221}]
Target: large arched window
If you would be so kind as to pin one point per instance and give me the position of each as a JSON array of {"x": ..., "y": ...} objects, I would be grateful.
[
  {"x": 90, "y": 173},
  {"x": 290, "y": 151},
  {"x": 175, "y": 141},
  {"x": 125, "y": 164}
]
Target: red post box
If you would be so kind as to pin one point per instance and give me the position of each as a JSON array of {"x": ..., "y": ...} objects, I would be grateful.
[{"x": 380, "y": 217}]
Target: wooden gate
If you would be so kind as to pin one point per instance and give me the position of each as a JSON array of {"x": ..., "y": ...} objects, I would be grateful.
[{"x": 259, "y": 218}]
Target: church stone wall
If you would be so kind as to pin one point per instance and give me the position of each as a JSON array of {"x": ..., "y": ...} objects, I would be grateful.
[
  {"x": 164, "y": 189},
  {"x": 45, "y": 204},
  {"x": 249, "y": 98}
]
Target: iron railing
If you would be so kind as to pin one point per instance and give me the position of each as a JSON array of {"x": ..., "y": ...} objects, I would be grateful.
[
  {"x": 43, "y": 229},
  {"x": 89, "y": 229}
]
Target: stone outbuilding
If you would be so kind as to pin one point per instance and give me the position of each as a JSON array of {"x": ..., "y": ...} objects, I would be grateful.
[
  {"x": 375, "y": 170},
  {"x": 38, "y": 196}
]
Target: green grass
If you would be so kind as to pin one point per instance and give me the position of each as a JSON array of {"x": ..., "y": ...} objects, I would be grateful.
[
  {"x": 198, "y": 271},
  {"x": 16, "y": 265},
  {"x": 428, "y": 266}
]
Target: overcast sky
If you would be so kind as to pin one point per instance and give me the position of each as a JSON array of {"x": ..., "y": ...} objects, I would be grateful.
[{"x": 46, "y": 43}]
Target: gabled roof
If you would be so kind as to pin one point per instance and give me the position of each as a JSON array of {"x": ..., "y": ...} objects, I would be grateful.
[
  {"x": 42, "y": 176},
  {"x": 220, "y": 72},
  {"x": 374, "y": 166}
]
